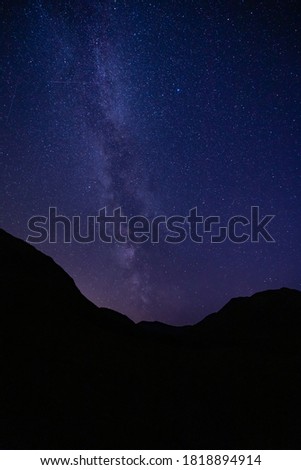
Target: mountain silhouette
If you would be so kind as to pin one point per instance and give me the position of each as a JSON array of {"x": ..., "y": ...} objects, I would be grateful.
[{"x": 75, "y": 376}]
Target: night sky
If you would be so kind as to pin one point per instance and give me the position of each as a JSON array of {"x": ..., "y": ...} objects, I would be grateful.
[{"x": 157, "y": 107}]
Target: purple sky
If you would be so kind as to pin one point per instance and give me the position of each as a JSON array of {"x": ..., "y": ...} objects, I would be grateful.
[{"x": 156, "y": 108}]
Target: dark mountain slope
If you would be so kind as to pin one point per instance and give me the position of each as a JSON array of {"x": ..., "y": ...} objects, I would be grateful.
[
  {"x": 33, "y": 284},
  {"x": 266, "y": 319},
  {"x": 75, "y": 376}
]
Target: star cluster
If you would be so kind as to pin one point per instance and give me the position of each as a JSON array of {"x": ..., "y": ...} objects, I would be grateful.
[{"x": 156, "y": 107}]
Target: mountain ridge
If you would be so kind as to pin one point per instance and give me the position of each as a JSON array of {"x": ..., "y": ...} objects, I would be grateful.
[
  {"x": 75, "y": 376},
  {"x": 9, "y": 239}
]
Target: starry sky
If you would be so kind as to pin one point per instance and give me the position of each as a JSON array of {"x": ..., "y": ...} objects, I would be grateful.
[{"x": 157, "y": 107}]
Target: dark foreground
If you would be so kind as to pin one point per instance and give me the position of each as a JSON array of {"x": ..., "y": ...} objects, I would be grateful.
[{"x": 77, "y": 377}]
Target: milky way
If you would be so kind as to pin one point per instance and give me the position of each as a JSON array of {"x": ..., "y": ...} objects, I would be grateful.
[{"x": 156, "y": 107}]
